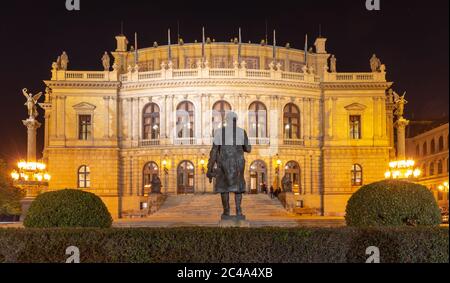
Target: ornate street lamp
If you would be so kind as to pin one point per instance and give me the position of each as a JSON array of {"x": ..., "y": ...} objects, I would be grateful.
[
  {"x": 401, "y": 168},
  {"x": 31, "y": 175}
]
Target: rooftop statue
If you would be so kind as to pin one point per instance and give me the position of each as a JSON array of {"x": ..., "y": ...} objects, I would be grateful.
[
  {"x": 227, "y": 164},
  {"x": 64, "y": 61},
  {"x": 106, "y": 61},
  {"x": 375, "y": 63},
  {"x": 333, "y": 64},
  {"x": 31, "y": 103}
]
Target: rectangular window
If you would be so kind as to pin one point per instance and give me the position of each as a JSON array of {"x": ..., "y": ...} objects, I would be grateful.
[
  {"x": 84, "y": 127},
  {"x": 355, "y": 127}
]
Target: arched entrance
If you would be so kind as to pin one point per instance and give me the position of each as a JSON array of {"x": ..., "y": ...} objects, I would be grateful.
[
  {"x": 258, "y": 176},
  {"x": 186, "y": 178},
  {"x": 292, "y": 169},
  {"x": 151, "y": 170}
]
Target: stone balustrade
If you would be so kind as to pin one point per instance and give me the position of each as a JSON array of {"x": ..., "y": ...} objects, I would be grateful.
[{"x": 208, "y": 73}]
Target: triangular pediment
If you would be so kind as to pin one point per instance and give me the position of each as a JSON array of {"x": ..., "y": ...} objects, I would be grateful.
[
  {"x": 84, "y": 106},
  {"x": 356, "y": 107}
]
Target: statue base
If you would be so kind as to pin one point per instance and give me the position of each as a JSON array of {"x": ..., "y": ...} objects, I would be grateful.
[{"x": 228, "y": 221}]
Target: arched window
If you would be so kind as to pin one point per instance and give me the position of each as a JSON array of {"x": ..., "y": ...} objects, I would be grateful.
[
  {"x": 357, "y": 175},
  {"x": 425, "y": 149},
  {"x": 440, "y": 167},
  {"x": 151, "y": 170},
  {"x": 151, "y": 122},
  {"x": 424, "y": 170},
  {"x": 219, "y": 111},
  {"x": 291, "y": 122},
  {"x": 84, "y": 177},
  {"x": 293, "y": 170},
  {"x": 432, "y": 146},
  {"x": 185, "y": 120},
  {"x": 431, "y": 169},
  {"x": 441, "y": 143},
  {"x": 417, "y": 150},
  {"x": 257, "y": 120}
]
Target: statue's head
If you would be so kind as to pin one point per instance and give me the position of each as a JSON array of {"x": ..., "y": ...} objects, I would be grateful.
[{"x": 230, "y": 117}]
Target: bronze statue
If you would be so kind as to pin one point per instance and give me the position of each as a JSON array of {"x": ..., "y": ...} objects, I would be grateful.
[
  {"x": 400, "y": 103},
  {"x": 31, "y": 103},
  {"x": 156, "y": 185},
  {"x": 286, "y": 183},
  {"x": 226, "y": 163}
]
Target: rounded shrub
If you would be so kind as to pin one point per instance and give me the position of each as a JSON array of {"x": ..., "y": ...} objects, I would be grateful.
[
  {"x": 68, "y": 208},
  {"x": 392, "y": 203}
]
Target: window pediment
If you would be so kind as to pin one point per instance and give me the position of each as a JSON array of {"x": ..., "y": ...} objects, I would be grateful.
[
  {"x": 84, "y": 106},
  {"x": 356, "y": 107}
]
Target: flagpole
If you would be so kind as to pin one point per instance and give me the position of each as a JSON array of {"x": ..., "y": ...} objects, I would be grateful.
[
  {"x": 306, "y": 47},
  {"x": 169, "y": 46},
  {"x": 136, "y": 59},
  {"x": 240, "y": 46},
  {"x": 203, "y": 44},
  {"x": 274, "y": 46}
]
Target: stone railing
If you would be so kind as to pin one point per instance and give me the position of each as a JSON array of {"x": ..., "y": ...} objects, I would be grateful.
[
  {"x": 208, "y": 73},
  {"x": 355, "y": 77},
  {"x": 294, "y": 142},
  {"x": 184, "y": 141},
  {"x": 97, "y": 76},
  {"x": 144, "y": 143},
  {"x": 259, "y": 141}
]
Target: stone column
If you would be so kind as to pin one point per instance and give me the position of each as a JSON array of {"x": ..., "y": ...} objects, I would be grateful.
[
  {"x": 401, "y": 148},
  {"x": 32, "y": 125}
]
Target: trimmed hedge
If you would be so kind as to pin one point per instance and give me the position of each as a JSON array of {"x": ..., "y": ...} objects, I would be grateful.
[
  {"x": 232, "y": 245},
  {"x": 392, "y": 203},
  {"x": 68, "y": 208}
]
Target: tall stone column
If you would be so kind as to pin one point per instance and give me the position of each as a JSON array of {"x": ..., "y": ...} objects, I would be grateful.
[
  {"x": 32, "y": 125},
  {"x": 401, "y": 144}
]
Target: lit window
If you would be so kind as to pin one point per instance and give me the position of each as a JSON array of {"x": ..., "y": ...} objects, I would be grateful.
[
  {"x": 355, "y": 127},
  {"x": 220, "y": 109},
  {"x": 84, "y": 127},
  {"x": 291, "y": 121},
  {"x": 257, "y": 120},
  {"x": 357, "y": 175},
  {"x": 185, "y": 120},
  {"x": 84, "y": 177},
  {"x": 151, "y": 122}
]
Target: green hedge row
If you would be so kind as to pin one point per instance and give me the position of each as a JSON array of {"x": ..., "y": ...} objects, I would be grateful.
[{"x": 214, "y": 245}]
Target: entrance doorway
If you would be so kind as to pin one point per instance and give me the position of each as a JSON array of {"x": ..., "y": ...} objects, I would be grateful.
[
  {"x": 186, "y": 178},
  {"x": 258, "y": 176}
]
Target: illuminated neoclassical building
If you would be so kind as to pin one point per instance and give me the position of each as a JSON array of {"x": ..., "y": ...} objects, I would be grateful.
[{"x": 154, "y": 114}]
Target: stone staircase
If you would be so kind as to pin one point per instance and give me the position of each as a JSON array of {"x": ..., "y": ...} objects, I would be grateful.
[{"x": 205, "y": 210}]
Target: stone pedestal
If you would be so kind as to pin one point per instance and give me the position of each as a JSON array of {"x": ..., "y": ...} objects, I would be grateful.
[
  {"x": 155, "y": 201},
  {"x": 25, "y": 205},
  {"x": 234, "y": 221},
  {"x": 401, "y": 142},
  {"x": 288, "y": 200},
  {"x": 32, "y": 125}
]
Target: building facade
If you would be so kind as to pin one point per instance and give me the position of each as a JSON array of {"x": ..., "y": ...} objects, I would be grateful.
[
  {"x": 430, "y": 150},
  {"x": 154, "y": 114}
]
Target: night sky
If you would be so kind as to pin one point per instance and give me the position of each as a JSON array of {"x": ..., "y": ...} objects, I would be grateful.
[{"x": 410, "y": 37}]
